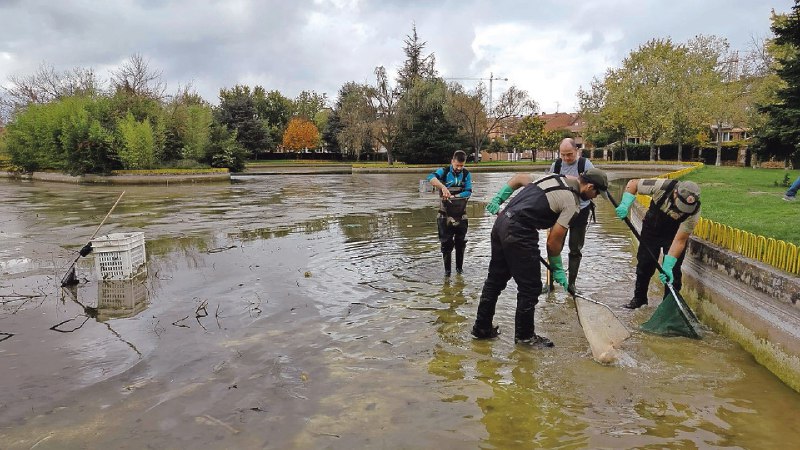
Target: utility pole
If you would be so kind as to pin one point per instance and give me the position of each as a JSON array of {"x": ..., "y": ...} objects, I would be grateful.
[{"x": 491, "y": 80}]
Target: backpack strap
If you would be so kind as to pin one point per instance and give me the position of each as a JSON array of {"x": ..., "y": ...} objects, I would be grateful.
[
  {"x": 557, "y": 177},
  {"x": 668, "y": 192},
  {"x": 581, "y": 165},
  {"x": 445, "y": 171}
]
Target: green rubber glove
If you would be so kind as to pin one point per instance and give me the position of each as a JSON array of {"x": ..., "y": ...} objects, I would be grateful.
[
  {"x": 625, "y": 204},
  {"x": 668, "y": 265},
  {"x": 494, "y": 206},
  {"x": 557, "y": 269}
]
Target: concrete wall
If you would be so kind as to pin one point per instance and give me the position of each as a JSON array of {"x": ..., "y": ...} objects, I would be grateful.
[
  {"x": 118, "y": 179},
  {"x": 752, "y": 303}
]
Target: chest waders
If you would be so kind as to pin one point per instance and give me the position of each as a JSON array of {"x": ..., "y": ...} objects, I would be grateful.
[
  {"x": 515, "y": 254},
  {"x": 658, "y": 230},
  {"x": 452, "y": 226},
  {"x": 673, "y": 317}
]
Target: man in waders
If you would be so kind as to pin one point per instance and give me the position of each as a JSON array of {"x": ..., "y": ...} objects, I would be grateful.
[
  {"x": 455, "y": 186},
  {"x": 550, "y": 202},
  {"x": 670, "y": 220},
  {"x": 570, "y": 164}
]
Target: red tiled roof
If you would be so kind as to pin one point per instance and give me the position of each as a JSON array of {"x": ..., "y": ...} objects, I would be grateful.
[{"x": 561, "y": 121}]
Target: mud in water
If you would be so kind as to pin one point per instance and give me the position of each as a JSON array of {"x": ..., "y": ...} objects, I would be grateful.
[{"x": 312, "y": 312}]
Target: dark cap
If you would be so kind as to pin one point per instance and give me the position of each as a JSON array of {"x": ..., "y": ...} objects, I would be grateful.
[
  {"x": 596, "y": 177},
  {"x": 688, "y": 196}
]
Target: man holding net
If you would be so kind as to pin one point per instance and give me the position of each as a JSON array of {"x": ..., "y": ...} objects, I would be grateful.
[
  {"x": 549, "y": 202},
  {"x": 670, "y": 220}
]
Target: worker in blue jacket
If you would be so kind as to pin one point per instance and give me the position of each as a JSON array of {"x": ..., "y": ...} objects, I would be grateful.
[{"x": 455, "y": 186}]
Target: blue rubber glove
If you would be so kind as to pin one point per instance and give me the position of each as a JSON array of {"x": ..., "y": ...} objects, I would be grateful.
[
  {"x": 494, "y": 206},
  {"x": 667, "y": 265},
  {"x": 557, "y": 269},
  {"x": 625, "y": 204}
]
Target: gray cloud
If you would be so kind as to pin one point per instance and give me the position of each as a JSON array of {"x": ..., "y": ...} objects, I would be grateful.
[{"x": 548, "y": 48}]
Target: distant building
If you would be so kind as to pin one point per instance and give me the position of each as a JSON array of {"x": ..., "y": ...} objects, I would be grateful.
[{"x": 572, "y": 122}]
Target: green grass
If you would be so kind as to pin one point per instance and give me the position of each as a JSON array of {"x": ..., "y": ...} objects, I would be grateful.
[{"x": 750, "y": 200}]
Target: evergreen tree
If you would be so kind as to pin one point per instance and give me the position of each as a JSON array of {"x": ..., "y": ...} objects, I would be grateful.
[
  {"x": 425, "y": 135},
  {"x": 237, "y": 110},
  {"x": 417, "y": 66},
  {"x": 781, "y": 136}
]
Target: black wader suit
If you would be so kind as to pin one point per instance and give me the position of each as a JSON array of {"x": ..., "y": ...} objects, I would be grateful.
[
  {"x": 515, "y": 254},
  {"x": 452, "y": 225},
  {"x": 658, "y": 231}
]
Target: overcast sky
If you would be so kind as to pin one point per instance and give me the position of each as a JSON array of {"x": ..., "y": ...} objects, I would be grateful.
[{"x": 548, "y": 48}]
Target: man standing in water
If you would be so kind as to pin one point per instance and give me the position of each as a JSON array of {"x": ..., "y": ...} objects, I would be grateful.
[
  {"x": 455, "y": 185},
  {"x": 570, "y": 164},
  {"x": 550, "y": 202},
  {"x": 674, "y": 212}
]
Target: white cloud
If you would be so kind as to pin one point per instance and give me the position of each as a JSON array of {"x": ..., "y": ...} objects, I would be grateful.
[{"x": 549, "y": 48}]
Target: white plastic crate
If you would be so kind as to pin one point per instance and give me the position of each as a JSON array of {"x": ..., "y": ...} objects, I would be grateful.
[{"x": 119, "y": 256}]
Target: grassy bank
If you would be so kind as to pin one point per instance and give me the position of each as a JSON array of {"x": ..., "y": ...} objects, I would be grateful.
[{"x": 750, "y": 200}]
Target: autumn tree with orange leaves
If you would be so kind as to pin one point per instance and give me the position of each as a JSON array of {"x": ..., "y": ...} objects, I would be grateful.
[{"x": 300, "y": 134}]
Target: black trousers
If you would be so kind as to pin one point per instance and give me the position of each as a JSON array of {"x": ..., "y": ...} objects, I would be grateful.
[
  {"x": 650, "y": 246},
  {"x": 451, "y": 236},
  {"x": 515, "y": 254}
]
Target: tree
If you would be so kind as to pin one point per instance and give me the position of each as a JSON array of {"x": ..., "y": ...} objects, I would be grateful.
[
  {"x": 425, "y": 135},
  {"x": 638, "y": 92},
  {"x": 386, "y": 116},
  {"x": 138, "y": 149},
  {"x": 47, "y": 85},
  {"x": 356, "y": 115},
  {"x": 531, "y": 134},
  {"x": 300, "y": 134},
  {"x": 308, "y": 104},
  {"x": 467, "y": 110},
  {"x": 224, "y": 150},
  {"x": 237, "y": 110},
  {"x": 417, "y": 66},
  {"x": 727, "y": 99},
  {"x": 781, "y": 135},
  {"x": 601, "y": 130},
  {"x": 275, "y": 110},
  {"x": 135, "y": 77}
]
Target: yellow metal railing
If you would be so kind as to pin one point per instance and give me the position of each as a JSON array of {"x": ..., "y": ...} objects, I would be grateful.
[
  {"x": 644, "y": 200},
  {"x": 777, "y": 253}
]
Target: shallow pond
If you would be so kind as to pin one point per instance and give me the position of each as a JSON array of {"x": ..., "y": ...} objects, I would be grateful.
[{"x": 312, "y": 312}]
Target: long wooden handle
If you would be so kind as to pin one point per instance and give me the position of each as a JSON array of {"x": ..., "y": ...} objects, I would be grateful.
[
  {"x": 637, "y": 235},
  {"x": 106, "y": 217}
]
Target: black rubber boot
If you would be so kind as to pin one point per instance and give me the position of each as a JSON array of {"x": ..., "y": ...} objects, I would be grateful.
[
  {"x": 635, "y": 303},
  {"x": 447, "y": 257},
  {"x": 639, "y": 293},
  {"x": 574, "y": 265},
  {"x": 459, "y": 259},
  {"x": 536, "y": 342},
  {"x": 487, "y": 333}
]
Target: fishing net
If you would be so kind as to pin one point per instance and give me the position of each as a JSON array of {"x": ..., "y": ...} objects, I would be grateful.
[
  {"x": 673, "y": 318},
  {"x": 603, "y": 329}
]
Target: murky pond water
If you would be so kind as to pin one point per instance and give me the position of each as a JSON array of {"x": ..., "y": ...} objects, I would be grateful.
[{"x": 312, "y": 312}]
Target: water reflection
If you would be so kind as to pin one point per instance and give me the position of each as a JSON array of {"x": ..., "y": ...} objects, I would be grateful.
[{"x": 121, "y": 298}]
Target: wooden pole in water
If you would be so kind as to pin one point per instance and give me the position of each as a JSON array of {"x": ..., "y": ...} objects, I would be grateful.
[{"x": 69, "y": 277}]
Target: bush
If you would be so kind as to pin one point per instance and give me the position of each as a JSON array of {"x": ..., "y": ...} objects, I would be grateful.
[
  {"x": 137, "y": 149},
  {"x": 224, "y": 150}
]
